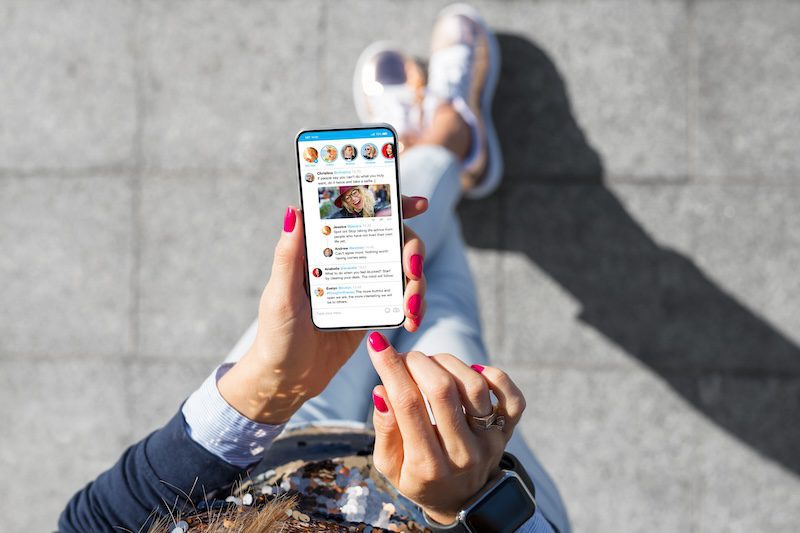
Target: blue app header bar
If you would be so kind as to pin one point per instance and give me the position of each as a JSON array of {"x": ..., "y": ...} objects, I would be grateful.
[{"x": 377, "y": 133}]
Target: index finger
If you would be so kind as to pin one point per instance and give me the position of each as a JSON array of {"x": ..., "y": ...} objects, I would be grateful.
[
  {"x": 414, "y": 205},
  {"x": 406, "y": 399}
]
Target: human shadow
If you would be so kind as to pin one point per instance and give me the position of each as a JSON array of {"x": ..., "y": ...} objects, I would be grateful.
[{"x": 652, "y": 302}]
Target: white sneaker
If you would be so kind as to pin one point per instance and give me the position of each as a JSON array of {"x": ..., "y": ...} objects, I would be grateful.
[
  {"x": 388, "y": 86},
  {"x": 463, "y": 70}
]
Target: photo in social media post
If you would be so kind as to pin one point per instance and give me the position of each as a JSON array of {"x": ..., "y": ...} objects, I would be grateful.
[{"x": 355, "y": 201}]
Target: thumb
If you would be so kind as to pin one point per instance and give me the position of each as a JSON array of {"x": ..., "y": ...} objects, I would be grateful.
[
  {"x": 288, "y": 264},
  {"x": 388, "y": 454}
]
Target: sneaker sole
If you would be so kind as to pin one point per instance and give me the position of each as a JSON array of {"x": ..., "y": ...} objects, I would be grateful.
[{"x": 494, "y": 165}]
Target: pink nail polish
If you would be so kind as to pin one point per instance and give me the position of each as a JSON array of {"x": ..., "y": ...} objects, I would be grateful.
[
  {"x": 478, "y": 368},
  {"x": 416, "y": 265},
  {"x": 380, "y": 403},
  {"x": 377, "y": 341},
  {"x": 413, "y": 304},
  {"x": 289, "y": 220}
]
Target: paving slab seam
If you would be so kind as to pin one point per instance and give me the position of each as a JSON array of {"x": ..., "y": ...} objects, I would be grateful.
[
  {"x": 694, "y": 183},
  {"x": 505, "y": 3},
  {"x": 681, "y": 372},
  {"x": 500, "y": 300},
  {"x": 322, "y": 51},
  {"x": 692, "y": 92},
  {"x": 207, "y": 171},
  {"x": 114, "y": 172},
  {"x": 107, "y": 358},
  {"x": 728, "y": 373},
  {"x": 136, "y": 214},
  {"x": 645, "y": 179},
  {"x": 685, "y": 372},
  {"x": 186, "y": 357},
  {"x": 199, "y": 173},
  {"x": 767, "y": 181},
  {"x": 513, "y": 180}
]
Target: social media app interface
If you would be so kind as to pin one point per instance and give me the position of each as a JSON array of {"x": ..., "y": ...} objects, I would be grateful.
[{"x": 348, "y": 182}]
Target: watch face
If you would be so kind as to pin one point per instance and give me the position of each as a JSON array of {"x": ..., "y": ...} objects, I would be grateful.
[{"x": 506, "y": 508}]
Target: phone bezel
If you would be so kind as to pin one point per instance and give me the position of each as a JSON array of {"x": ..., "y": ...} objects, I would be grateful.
[{"x": 371, "y": 126}]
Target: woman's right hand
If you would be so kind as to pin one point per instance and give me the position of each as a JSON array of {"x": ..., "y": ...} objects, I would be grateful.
[{"x": 440, "y": 466}]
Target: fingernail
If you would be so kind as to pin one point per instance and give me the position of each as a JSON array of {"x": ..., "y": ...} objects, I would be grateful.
[
  {"x": 416, "y": 265},
  {"x": 380, "y": 403},
  {"x": 289, "y": 220},
  {"x": 420, "y": 198},
  {"x": 413, "y": 304},
  {"x": 378, "y": 341},
  {"x": 477, "y": 368}
]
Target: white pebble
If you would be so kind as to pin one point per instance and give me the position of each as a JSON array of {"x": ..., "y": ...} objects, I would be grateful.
[{"x": 180, "y": 527}]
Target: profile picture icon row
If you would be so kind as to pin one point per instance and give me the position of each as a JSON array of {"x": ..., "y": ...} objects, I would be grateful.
[{"x": 348, "y": 152}]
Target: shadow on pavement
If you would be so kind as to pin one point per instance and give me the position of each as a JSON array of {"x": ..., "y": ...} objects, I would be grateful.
[{"x": 650, "y": 301}]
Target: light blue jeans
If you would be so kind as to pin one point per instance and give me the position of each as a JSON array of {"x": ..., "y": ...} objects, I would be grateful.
[{"x": 451, "y": 322}]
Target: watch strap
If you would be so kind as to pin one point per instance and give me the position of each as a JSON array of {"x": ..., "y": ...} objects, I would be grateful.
[
  {"x": 436, "y": 527},
  {"x": 509, "y": 461},
  {"x": 508, "y": 464}
]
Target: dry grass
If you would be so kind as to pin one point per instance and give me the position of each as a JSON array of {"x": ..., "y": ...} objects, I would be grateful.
[{"x": 271, "y": 516}]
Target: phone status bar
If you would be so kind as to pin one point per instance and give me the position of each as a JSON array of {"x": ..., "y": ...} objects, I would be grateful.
[{"x": 334, "y": 135}]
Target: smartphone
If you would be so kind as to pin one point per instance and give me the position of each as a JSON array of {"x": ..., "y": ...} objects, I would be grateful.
[{"x": 353, "y": 221}]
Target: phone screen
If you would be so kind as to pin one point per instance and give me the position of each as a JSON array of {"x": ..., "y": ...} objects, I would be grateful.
[{"x": 353, "y": 225}]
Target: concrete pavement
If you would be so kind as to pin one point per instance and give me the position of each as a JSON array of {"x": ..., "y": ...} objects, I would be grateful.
[{"x": 638, "y": 267}]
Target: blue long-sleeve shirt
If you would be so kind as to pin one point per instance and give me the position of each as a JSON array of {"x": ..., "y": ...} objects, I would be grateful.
[
  {"x": 149, "y": 477},
  {"x": 203, "y": 449}
]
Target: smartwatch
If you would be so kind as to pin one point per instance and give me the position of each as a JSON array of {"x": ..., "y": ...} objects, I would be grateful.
[{"x": 502, "y": 505}]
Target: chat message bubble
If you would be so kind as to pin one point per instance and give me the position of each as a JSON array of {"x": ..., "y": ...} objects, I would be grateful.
[
  {"x": 361, "y": 295},
  {"x": 334, "y": 178},
  {"x": 358, "y": 273},
  {"x": 357, "y": 234}
]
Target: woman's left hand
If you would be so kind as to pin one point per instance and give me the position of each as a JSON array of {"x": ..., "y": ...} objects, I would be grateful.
[
  {"x": 291, "y": 361},
  {"x": 440, "y": 466}
]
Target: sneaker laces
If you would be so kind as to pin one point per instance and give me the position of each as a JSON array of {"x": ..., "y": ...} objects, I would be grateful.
[
  {"x": 448, "y": 81},
  {"x": 395, "y": 105},
  {"x": 449, "y": 72}
]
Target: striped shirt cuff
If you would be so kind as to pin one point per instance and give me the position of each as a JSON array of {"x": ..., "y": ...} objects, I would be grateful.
[{"x": 219, "y": 428}]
